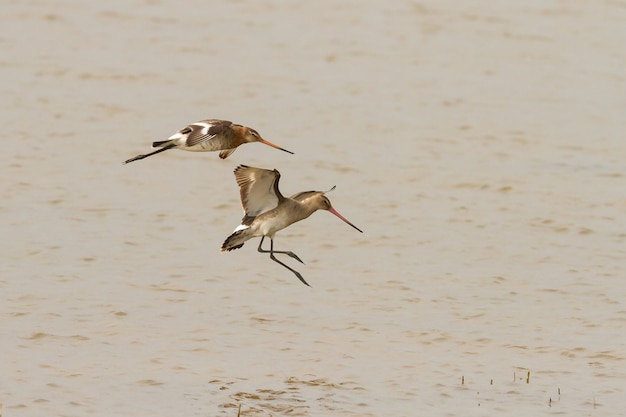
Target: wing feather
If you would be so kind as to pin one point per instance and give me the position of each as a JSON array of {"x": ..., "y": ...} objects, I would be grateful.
[
  {"x": 258, "y": 189},
  {"x": 204, "y": 130}
]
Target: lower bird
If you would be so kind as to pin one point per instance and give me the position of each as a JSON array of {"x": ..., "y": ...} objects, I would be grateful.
[
  {"x": 266, "y": 211},
  {"x": 207, "y": 136}
]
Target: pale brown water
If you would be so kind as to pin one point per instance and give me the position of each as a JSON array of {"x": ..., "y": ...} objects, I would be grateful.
[{"x": 481, "y": 147}]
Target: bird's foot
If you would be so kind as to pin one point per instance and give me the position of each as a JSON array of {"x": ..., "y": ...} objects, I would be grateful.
[{"x": 294, "y": 256}]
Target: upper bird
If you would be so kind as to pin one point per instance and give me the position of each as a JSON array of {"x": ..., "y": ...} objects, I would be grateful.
[
  {"x": 209, "y": 135},
  {"x": 267, "y": 211}
]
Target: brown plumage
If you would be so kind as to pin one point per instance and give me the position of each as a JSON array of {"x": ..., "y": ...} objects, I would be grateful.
[
  {"x": 207, "y": 136},
  {"x": 267, "y": 211}
]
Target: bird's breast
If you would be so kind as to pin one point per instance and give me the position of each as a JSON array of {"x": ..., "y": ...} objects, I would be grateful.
[{"x": 286, "y": 214}]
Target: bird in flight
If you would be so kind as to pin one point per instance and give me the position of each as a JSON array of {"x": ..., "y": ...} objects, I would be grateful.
[
  {"x": 207, "y": 136},
  {"x": 267, "y": 211}
]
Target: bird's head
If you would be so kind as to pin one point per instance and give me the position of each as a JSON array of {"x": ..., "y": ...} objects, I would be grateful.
[
  {"x": 321, "y": 202},
  {"x": 251, "y": 135}
]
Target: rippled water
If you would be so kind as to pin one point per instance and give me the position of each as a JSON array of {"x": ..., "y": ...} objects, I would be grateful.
[{"x": 479, "y": 146}]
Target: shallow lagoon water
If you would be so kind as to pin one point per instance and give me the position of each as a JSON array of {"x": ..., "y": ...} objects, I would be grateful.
[{"x": 480, "y": 147}]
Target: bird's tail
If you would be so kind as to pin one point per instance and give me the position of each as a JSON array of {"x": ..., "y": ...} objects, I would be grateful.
[
  {"x": 237, "y": 239},
  {"x": 161, "y": 143}
]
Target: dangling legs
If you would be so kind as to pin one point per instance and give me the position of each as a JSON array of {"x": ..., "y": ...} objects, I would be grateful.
[
  {"x": 293, "y": 255},
  {"x": 273, "y": 258}
]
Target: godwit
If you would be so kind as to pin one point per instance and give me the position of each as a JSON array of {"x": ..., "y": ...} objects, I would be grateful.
[
  {"x": 267, "y": 211},
  {"x": 209, "y": 135}
]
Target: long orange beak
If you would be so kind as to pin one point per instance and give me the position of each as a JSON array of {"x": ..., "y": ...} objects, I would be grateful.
[
  {"x": 274, "y": 146},
  {"x": 332, "y": 210}
]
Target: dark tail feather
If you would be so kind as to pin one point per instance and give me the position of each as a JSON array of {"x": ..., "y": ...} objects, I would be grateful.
[
  {"x": 233, "y": 241},
  {"x": 160, "y": 143},
  {"x": 150, "y": 154}
]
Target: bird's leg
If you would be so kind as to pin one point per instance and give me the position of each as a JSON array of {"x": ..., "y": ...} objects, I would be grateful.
[
  {"x": 138, "y": 157},
  {"x": 273, "y": 258},
  {"x": 293, "y": 255}
]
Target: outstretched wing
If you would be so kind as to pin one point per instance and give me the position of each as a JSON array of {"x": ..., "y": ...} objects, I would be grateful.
[{"x": 258, "y": 189}]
